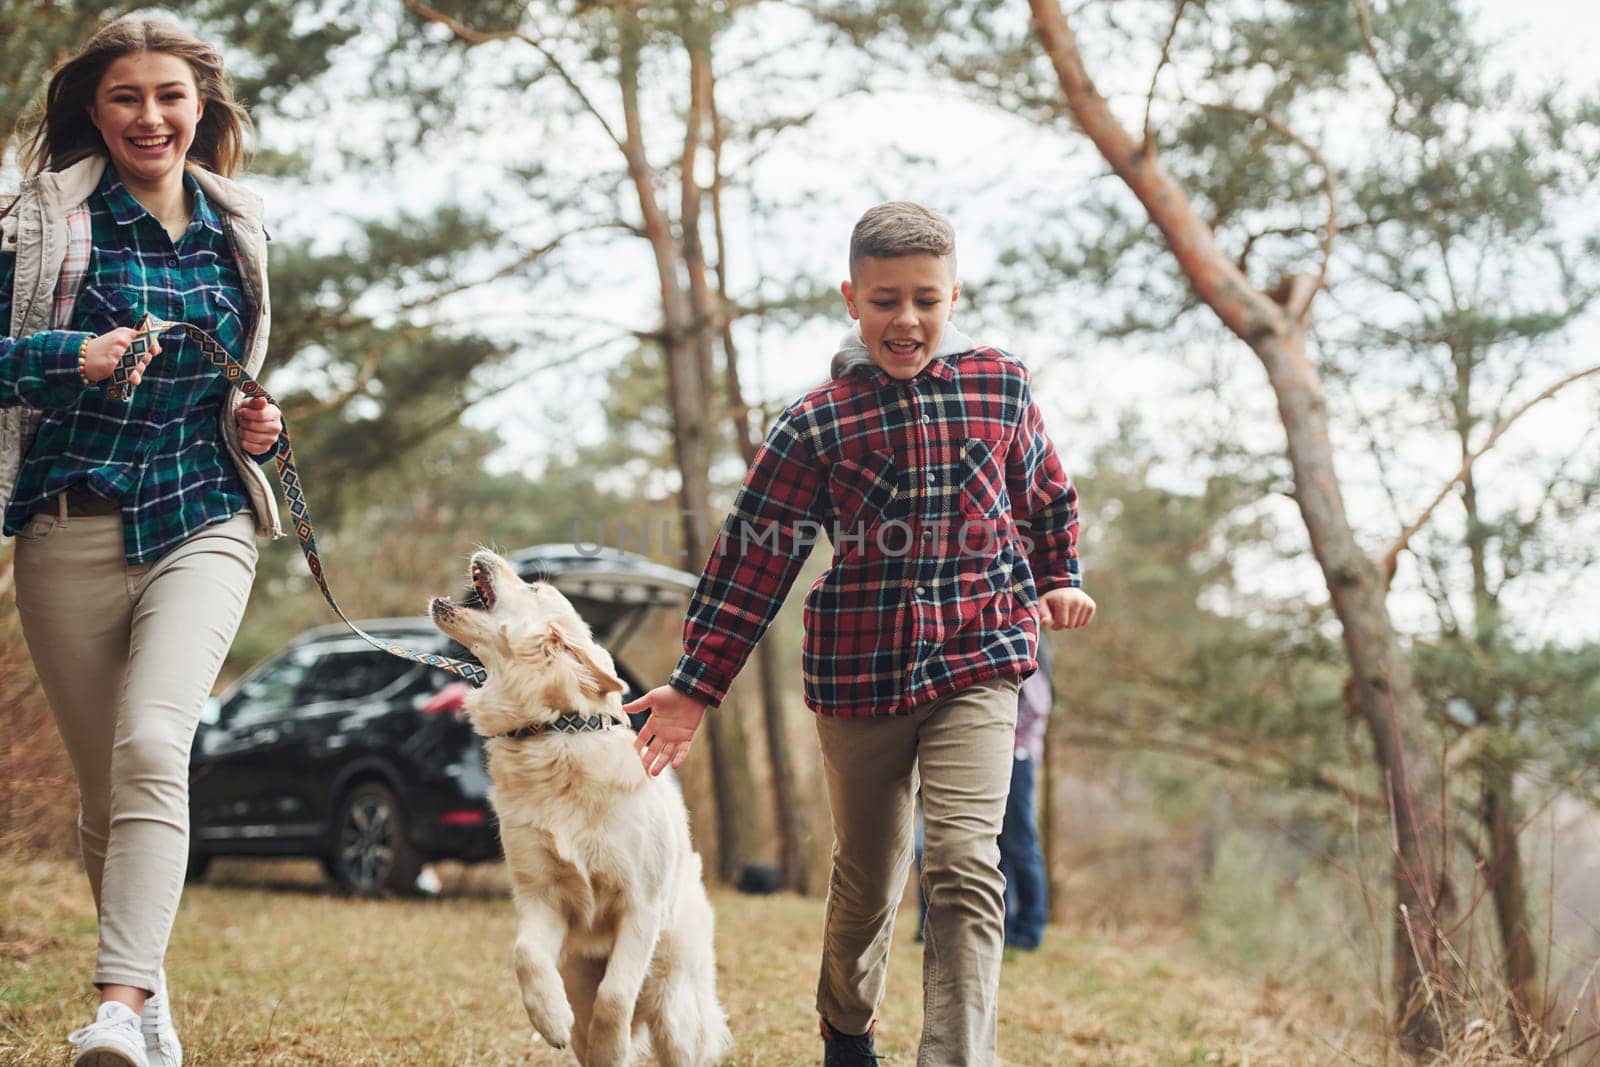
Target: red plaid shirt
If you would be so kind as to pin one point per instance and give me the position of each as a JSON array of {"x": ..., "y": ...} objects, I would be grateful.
[{"x": 948, "y": 511}]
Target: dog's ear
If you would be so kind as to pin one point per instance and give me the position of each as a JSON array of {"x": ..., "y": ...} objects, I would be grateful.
[{"x": 585, "y": 653}]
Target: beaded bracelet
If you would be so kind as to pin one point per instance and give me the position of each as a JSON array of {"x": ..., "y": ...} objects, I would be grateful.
[{"x": 83, "y": 350}]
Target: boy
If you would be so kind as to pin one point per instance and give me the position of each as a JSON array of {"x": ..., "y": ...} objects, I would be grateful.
[{"x": 917, "y": 458}]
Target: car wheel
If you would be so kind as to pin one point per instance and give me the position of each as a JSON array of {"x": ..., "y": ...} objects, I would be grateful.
[
  {"x": 371, "y": 851},
  {"x": 199, "y": 863}
]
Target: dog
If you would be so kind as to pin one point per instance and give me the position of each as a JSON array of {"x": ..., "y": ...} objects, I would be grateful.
[{"x": 614, "y": 929}]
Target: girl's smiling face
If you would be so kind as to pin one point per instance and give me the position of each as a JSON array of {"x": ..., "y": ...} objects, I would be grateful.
[
  {"x": 146, "y": 109},
  {"x": 902, "y": 304}
]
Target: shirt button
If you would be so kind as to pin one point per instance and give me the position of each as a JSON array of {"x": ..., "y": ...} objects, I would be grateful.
[
  {"x": 927, "y": 535},
  {"x": 926, "y": 419},
  {"x": 172, "y": 261},
  {"x": 922, "y": 590},
  {"x": 932, "y": 478}
]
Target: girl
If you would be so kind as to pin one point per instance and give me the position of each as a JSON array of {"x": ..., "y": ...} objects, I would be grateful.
[{"x": 135, "y": 519}]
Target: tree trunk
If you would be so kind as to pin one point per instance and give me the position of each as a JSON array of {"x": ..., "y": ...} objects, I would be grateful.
[
  {"x": 1509, "y": 892},
  {"x": 1408, "y": 767},
  {"x": 688, "y": 395},
  {"x": 788, "y": 810},
  {"x": 1505, "y": 875}
]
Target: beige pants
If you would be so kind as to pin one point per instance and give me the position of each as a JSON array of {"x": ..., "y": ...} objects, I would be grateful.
[
  {"x": 961, "y": 748},
  {"x": 127, "y": 656}
]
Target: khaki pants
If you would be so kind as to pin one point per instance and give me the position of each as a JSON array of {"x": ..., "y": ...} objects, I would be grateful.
[
  {"x": 127, "y": 656},
  {"x": 961, "y": 748}
]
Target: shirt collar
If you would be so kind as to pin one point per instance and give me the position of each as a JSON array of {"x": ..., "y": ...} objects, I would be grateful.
[
  {"x": 125, "y": 209},
  {"x": 204, "y": 213},
  {"x": 938, "y": 368}
]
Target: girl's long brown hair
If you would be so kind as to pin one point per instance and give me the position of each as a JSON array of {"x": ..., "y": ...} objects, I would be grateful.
[{"x": 59, "y": 133}]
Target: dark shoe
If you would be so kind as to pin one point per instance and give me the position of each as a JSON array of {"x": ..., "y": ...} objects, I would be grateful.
[{"x": 848, "y": 1050}]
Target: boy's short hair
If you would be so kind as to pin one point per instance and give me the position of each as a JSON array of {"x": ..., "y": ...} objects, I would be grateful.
[{"x": 900, "y": 228}]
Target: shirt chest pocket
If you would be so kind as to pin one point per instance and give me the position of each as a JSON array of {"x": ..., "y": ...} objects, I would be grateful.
[
  {"x": 983, "y": 488},
  {"x": 219, "y": 313},
  {"x": 226, "y": 305},
  {"x": 229, "y": 319},
  {"x": 103, "y": 309},
  {"x": 864, "y": 490}
]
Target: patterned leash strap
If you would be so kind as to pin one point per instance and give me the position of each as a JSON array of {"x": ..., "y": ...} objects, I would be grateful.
[{"x": 119, "y": 387}]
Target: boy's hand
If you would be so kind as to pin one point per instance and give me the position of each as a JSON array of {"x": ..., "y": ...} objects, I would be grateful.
[
  {"x": 664, "y": 738},
  {"x": 1066, "y": 609}
]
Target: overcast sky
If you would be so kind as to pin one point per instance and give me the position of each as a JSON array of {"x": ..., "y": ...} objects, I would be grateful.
[{"x": 1553, "y": 33}]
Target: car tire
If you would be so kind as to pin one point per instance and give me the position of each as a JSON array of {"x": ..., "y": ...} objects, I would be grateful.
[
  {"x": 370, "y": 853},
  {"x": 195, "y": 870}
]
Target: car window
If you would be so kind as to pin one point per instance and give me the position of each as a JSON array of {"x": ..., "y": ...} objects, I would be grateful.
[
  {"x": 269, "y": 692},
  {"x": 351, "y": 675}
]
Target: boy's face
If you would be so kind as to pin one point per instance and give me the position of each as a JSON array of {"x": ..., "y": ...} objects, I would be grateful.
[{"x": 902, "y": 304}]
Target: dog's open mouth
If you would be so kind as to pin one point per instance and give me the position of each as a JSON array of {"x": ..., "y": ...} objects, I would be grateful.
[{"x": 481, "y": 595}]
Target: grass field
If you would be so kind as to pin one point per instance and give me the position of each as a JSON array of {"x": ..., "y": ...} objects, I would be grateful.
[{"x": 269, "y": 968}]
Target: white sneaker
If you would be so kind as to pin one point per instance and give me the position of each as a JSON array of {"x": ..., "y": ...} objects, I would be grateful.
[
  {"x": 161, "y": 1044},
  {"x": 112, "y": 1040}
]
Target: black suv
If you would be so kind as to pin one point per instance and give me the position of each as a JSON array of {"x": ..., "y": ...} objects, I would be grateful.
[{"x": 336, "y": 750}]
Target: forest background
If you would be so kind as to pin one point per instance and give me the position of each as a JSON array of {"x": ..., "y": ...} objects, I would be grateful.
[{"x": 1307, "y": 290}]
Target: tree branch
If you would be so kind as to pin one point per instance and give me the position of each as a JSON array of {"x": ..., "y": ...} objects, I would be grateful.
[
  {"x": 1249, "y": 314},
  {"x": 477, "y": 37},
  {"x": 1166, "y": 57},
  {"x": 1435, "y": 590},
  {"x": 1368, "y": 38},
  {"x": 1330, "y": 228},
  {"x": 369, "y": 367},
  {"x": 533, "y": 255},
  {"x": 738, "y": 409},
  {"x": 1390, "y": 559},
  {"x": 1292, "y": 774}
]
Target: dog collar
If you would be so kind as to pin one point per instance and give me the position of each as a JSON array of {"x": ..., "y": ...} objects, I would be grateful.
[{"x": 568, "y": 722}]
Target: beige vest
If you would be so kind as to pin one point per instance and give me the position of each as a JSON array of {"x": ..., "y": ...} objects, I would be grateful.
[{"x": 36, "y": 230}]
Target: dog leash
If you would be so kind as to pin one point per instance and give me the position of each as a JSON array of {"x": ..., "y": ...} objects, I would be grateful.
[{"x": 120, "y": 387}]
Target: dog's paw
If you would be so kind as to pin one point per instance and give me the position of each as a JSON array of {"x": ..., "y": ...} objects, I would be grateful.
[{"x": 553, "y": 1022}]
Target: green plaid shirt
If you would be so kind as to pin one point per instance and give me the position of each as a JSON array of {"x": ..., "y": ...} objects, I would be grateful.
[{"x": 161, "y": 456}]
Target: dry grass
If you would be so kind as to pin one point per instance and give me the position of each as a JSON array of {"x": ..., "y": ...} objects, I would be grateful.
[
  {"x": 38, "y": 796},
  {"x": 267, "y": 968}
]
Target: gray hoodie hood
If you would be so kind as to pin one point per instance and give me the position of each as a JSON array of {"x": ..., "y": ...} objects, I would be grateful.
[{"x": 853, "y": 351}]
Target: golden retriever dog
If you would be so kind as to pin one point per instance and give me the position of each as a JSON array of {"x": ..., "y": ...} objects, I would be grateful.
[{"x": 614, "y": 929}]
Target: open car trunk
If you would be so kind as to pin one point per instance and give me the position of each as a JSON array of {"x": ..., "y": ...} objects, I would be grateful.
[{"x": 613, "y": 590}]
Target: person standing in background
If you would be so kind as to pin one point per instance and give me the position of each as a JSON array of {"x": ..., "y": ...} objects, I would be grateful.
[{"x": 1021, "y": 856}]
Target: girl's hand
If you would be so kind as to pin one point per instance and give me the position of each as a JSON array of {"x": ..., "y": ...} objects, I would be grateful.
[
  {"x": 103, "y": 353},
  {"x": 260, "y": 424}
]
